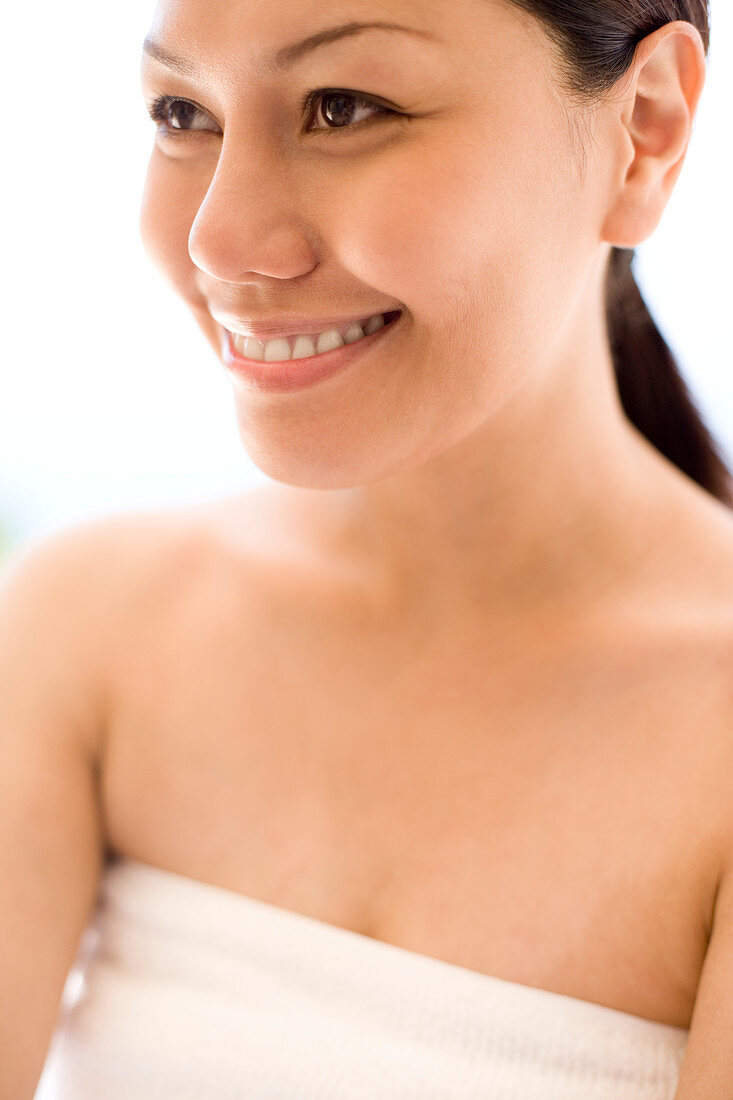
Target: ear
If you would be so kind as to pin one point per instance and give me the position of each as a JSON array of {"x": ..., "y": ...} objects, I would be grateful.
[{"x": 655, "y": 112}]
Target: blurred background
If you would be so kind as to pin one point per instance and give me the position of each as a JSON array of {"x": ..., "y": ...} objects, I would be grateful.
[{"x": 110, "y": 398}]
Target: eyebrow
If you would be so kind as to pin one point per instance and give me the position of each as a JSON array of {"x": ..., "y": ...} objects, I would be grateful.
[{"x": 288, "y": 55}]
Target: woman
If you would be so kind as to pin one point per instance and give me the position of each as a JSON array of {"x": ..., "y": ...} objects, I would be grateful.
[{"x": 409, "y": 774}]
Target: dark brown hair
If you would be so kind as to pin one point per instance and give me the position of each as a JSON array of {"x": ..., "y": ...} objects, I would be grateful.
[{"x": 595, "y": 44}]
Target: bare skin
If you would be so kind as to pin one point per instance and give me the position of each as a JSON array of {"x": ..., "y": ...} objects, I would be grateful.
[
  {"x": 541, "y": 799},
  {"x": 462, "y": 680}
]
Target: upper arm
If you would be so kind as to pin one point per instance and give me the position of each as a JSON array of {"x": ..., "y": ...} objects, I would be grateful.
[
  {"x": 707, "y": 1067},
  {"x": 51, "y": 843}
]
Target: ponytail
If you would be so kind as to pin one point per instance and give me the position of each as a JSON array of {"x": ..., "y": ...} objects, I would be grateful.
[
  {"x": 653, "y": 393},
  {"x": 597, "y": 42}
]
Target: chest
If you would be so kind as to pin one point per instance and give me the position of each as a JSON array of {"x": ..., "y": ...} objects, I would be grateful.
[{"x": 546, "y": 814}]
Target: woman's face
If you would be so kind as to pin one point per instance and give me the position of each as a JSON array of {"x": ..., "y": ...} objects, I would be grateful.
[{"x": 468, "y": 205}]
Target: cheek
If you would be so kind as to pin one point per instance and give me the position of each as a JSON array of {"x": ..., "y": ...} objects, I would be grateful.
[
  {"x": 480, "y": 235},
  {"x": 443, "y": 229},
  {"x": 482, "y": 228},
  {"x": 169, "y": 205}
]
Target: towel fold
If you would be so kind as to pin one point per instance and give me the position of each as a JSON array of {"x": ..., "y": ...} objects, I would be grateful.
[{"x": 193, "y": 992}]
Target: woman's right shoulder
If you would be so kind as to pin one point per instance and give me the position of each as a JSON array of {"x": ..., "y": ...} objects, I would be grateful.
[
  {"x": 81, "y": 582},
  {"x": 79, "y": 563},
  {"x": 97, "y": 589},
  {"x": 63, "y": 596},
  {"x": 73, "y": 601}
]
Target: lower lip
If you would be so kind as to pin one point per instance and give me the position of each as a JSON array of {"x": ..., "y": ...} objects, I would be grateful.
[{"x": 297, "y": 374}]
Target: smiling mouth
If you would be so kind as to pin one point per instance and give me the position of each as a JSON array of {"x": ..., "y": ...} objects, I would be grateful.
[
  {"x": 283, "y": 349},
  {"x": 288, "y": 376}
]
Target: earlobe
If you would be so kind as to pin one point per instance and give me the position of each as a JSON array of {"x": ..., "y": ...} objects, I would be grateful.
[{"x": 664, "y": 87}]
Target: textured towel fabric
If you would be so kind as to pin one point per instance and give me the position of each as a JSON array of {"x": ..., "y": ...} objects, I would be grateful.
[{"x": 194, "y": 992}]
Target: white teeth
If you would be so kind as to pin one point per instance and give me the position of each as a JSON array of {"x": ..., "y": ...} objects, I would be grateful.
[
  {"x": 304, "y": 347},
  {"x": 353, "y": 333},
  {"x": 278, "y": 350},
  {"x": 373, "y": 324},
  {"x": 249, "y": 347},
  {"x": 327, "y": 341}
]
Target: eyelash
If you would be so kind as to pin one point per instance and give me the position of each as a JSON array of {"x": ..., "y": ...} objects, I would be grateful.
[{"x": 159, "y": 107}]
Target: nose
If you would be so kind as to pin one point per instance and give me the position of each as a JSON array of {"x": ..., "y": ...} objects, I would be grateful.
[{"x": 248, "y": 223}]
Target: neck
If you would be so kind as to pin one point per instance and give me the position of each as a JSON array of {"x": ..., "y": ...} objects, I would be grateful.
[{"x": 550, "y": 500}]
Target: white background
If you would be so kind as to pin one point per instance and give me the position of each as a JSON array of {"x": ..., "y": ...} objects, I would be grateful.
[{"x": 109, "y": 395}]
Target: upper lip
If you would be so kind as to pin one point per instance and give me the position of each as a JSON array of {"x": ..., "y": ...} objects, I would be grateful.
[{"x": 290, "y": 324}]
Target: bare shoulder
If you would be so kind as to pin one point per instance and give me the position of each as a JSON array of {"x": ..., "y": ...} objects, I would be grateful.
[
  {"x": 71, "y": 570},
  {"x": 707, "y": 1068},
  {"x": 687, "y": 612},
  {"x": 62, "y": 597},
  {"x": 102, "y": 570},
  {"x": 699, "y": 529},
  {"x": 686, "y": 579},
  {"x": 144, "y": 571},
  {"x": 73, "y": 589},
  {"x": 707, "y": 546}
]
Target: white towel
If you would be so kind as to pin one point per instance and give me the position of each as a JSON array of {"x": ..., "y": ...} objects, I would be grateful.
[{"x": 194, "y": 992}]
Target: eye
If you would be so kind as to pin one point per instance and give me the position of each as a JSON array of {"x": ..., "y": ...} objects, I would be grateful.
[
  {"x": 178, "y": 115},
  {"x": 337, "y": 107}
]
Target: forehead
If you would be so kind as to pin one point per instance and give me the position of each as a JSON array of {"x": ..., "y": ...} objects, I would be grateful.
[{"x": 254, "y": 35}]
